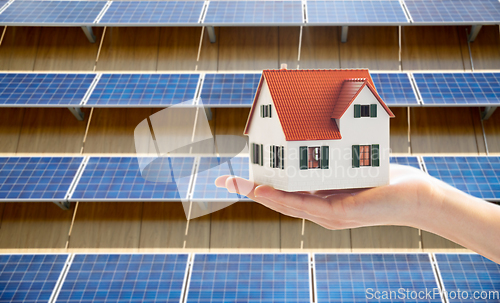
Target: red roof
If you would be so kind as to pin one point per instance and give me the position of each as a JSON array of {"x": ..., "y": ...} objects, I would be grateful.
[{"x": 307, "y": 100}]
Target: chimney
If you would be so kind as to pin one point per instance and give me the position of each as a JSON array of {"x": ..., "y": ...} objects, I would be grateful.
[{"x": 283, "y": 65}]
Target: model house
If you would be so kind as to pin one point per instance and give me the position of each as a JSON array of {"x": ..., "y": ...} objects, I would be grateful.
[{"x": 317, "y": 130}]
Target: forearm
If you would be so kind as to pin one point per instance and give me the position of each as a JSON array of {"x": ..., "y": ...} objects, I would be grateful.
[{"x": 468, "y": 221}]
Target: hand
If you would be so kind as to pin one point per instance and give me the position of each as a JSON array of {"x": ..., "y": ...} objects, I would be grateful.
[{"x": 392, "y": 204}]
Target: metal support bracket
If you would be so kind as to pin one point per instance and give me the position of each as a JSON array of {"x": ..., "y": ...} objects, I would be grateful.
[
  {"x": 343, "y": 38},
  {"x": 77, "y": 112},
  {"x": 64, "y": 205},
  {"x": 208, "y": 111},
  {"x": 473, "y": 32},
  {"x": 487, "y": 112},
  {"x": 87, "y": 30},
  {"x": 211, "y": 34}
]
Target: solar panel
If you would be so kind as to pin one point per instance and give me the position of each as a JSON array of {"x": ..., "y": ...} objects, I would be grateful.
[
  {"x": 153, "y": 12},
  {"x": 119, "y": 178},
  {"x": 350, "y": 277},
  {"x": 250, "y": 278},
  {"x": 254, "y": 12},
  {"x": 30, "y": 278},
  {"x": 355, "y": 12},
  {"x": 125, "y": 278},
  {"x": 143, "y": 89},
  {"x": 52, "y": 12},
  {"x": 209, "y": 168},
  {"x": 37, "y": 178},
  {"x": 477, "y": 176},
  {"x": 408, "y": 161},
  {"x": 451, "y": 11},
  {"x": 459, "y": 88},
  {"x": 229, "y": 89},
  {"x": 43, "y": 89},
  {"x": 472, "y": 274},
  {"x": 395, "y": 88}
]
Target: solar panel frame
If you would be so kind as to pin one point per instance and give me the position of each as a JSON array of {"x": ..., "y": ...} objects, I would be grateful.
[
  {"x": 108, "y": 83},
  {"x": 364, "y": 254},
  {"x": 469, "y": 182},
  {"x": 185, "y": 278},
  {"x": 188, "y": 286},
  {"x": 241, "y": 22},
  {"x": 40, "y": 11},
  {"x": 117, "y": 6},
  {"x": 414, "y": 7},
  {"x": 310, "y": 11},
  {"x": 60, "y": 196},
  {"x": 407, "y": 160},
  {"x": 401, "y": 90},
  {"x": 75, "y": 194},
  {"x": 214, "y": 84},
  {"x": 427, "y": 85},
  {"x": 58, "y": 281}
]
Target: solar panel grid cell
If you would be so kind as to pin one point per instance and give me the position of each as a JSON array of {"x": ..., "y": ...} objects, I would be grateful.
[
  {"x": 394, "y": 88},
  {"x": 408, "y": 161},
  {"x": 254, "y": 12},
  {"x": 229, "y": 89},
  {"x": 450, "y": 11}
]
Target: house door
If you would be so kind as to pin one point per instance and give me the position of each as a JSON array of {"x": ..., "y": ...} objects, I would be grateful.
[{"x": 313, "y": 157}]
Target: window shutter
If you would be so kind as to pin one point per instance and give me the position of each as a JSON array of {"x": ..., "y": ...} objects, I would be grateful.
[
  {"x": 261, "y": 154},
  {"x": 271, "y": 158},
  {"x": 324, "y": 157},
  {"x": 252, "y": 155},
  {"x": 303, "y": 157},
  {"x": 262, "y": 111},
  {"x": 282, "y": 157},
  {"x": 270, "y": 111},
  {"x": 355, "y": 156},
  {"x": 375, "y": 155},
  {"x": 357, "y": 110},
  {"x": 373, "y": 110}
]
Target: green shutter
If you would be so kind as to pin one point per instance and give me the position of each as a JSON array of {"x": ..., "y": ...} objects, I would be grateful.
[
  {"x": 282, "y": 157},
  {"x": 355, "y": 156},
  {"x": 325, "y": 154},
  {"x": 270, "y": 111},
  {"x": 261, "y": 154},
  {"x": 252, "y": 155},
  {"x": 357, "y": 110},
  {"x": 373, "y": 110},
  {"x": 303, "y": 157},
  {"x": 271, "y": 158},
  {"x": 375, "y": 155}
]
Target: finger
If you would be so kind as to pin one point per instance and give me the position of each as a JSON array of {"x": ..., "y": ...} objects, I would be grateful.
[
  {"x": 221, "y": 181},
  {"x": 240, "y": 186}
]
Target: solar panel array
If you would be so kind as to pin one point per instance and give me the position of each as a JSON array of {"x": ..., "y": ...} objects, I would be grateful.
[
  {"x": 250, "y": 278},
  {"x": 119, "y": 178},
  {"x": 125, "y": 277},
  {"x": 43, "y": 89},
  {"x": 395, "y": 89},
  {"x": 209, "y": 168},
  {"x": 477, "y": 176},
  {"x": 37, "y": 178},
  {"x": 355, "y": 12},
  {"x": 408, "y": 161},
  {"x": 254, "y": 12},
  {"x": 348, "y": 277},
  {"x": 51, "y": 12},
  {"x": 229, "y": 89},
  {"x": 472, "y": 274},
  {"x": 29, "y": 278},
  {"x": 451, "y": 11},
  {"x": 153, "y": 12},
  {"x": 144, "y": 89},
  {"x": 459, "y": 88}
]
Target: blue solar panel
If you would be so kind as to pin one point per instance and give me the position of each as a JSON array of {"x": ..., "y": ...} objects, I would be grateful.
[
  {"x": 355, "y": 11},
  {"x": 29, "y": 278},
  {"x": 52, "y": 12},
  {"x": 348, "y": 277},
  {"x": 144, "y": 89},
  {"x": 430, "y": 11},
  {"x": 47, "y": 178},
  {"x": 119, "y": 178},
  {"x": 254, "y": 12},
  {"x": 210, "y": 168},
  {"x": 472, "y": 274},
  {"x": 395, "y": 88},
  {"x": 229, "y": 89},
  {"x": 43, "y": 89},
  {"x": 408, "y": 161},
  {"x": 3, "y": 2},
  {"x": 459, "y": 88},
  {"x": 125, "y": 278},
  {"x": 250, "y": 278},
  {"x": 153, "y": 12},
  {"x": 477, "y": 176}
]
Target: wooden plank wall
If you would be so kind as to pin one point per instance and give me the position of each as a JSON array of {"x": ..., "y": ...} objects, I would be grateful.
[{"x": 249, "y": 226}]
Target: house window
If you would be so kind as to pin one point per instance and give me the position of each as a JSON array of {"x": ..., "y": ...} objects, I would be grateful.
[
  {"x": 365, "y": 110},
  {"x": 257, "y": 156},
  {"x": 314, "y": 157},
  {"x": 265, "y": 111},
  {"x": 277, "y": 156},
  {"x": 369, "y": 110},
  {"x": 365, "y": 155}
]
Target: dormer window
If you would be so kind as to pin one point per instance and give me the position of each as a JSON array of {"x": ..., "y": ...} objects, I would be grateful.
[
  {"x": 365, "y": 110},
  {"x": 265, "y": 111},
  {"x": 369, "y": 110}
]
